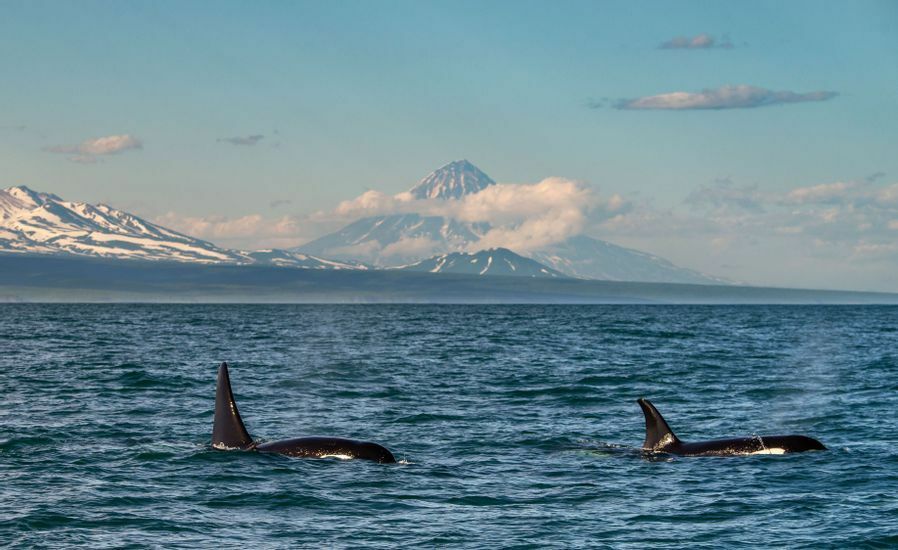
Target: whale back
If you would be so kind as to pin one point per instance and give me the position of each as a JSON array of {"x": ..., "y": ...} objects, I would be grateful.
[
  {"x": 228, "y": 431},
  {"x": 658, "y": 435}
]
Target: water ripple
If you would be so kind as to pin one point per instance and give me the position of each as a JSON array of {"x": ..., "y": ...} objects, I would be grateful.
[{"x": 515, "y": 426}]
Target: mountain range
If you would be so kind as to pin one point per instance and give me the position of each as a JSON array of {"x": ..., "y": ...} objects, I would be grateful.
[
  {"x": 403, "y": 238},
  {"x": 42, "y": 223}
]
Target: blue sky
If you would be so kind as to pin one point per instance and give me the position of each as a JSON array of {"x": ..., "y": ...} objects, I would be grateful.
[{"x": 349, "y": 96}]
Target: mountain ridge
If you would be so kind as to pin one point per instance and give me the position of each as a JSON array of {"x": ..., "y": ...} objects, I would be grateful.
[
  {"x": 585, "y": 257},
  {"x": 43, "y": 223},
  {"x": 491, "y": 261},
  {"x": 32, "y": 222}
]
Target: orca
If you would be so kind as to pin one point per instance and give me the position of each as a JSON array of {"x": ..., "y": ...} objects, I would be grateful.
[
  {"x": 228, "y": 432},
  {"x": 659, "y": 438}
]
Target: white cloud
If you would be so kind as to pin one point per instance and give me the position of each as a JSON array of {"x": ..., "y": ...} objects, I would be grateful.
[
  {"x": 726, "y": 97},
  {"x": 87, "y": 151},
  {"x": 250, "y": 231},
  {"x": 515, "y": 203},
  {"x": 110, "y": 145},
  {"x": 522, "y": 217},
  {"x": 369, "y": 203},
  {"x": 822, "y": 193},
  {"x": 528, "y": 217}
]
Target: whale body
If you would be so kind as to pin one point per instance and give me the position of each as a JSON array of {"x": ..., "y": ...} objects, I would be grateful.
[
  {"x": 659, "y": 438},
  {"x": 228, "y": 432}
]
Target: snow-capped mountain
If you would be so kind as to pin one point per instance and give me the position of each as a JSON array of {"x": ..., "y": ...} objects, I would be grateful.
[
  {"x": 43, "y": 223},
  {"x": 405, "y": 238},
  {"x": 494, "y": 261},
  {"x": 588, "y": 258},
  {"x": 452, "y": 181}
]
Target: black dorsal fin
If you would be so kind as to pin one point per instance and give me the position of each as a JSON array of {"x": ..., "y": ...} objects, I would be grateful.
[
  {"x": 228, "y": 430},
  {"x": 658, "y": 435}
]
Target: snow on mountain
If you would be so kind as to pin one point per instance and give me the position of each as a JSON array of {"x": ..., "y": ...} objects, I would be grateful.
[
  {"x": 42, "y": 222},
  {"x": 285, "y": 258},
  {"x": 494, "y": 261},
  {"x": 396, "y": 238},
  {"x": 406, "y": 238},
  {"x": 588, "y": 258},
  {"x": 452, "y": 181},
  {"x": 33, "y": 222}
]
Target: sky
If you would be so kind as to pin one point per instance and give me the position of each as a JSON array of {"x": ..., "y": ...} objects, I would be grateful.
[{"x": 754, "y": 141}]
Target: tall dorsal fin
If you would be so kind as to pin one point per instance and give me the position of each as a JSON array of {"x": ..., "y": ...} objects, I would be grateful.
[
  {"x": 228, "y": 430},
  {"x": 658, "y": 435}
]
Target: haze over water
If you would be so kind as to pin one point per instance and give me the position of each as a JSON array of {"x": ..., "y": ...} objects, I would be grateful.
[{"x": 514, "y": 425}]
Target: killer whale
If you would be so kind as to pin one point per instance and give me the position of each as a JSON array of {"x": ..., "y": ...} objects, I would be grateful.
[
  {"x": 228, "y": 432},
  {"x": 659, "y": 438}
]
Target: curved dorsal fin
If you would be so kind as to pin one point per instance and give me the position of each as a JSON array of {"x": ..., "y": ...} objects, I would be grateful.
[
  {"x": 228, "y": 430},
  {"x": 658, "y": 434}
]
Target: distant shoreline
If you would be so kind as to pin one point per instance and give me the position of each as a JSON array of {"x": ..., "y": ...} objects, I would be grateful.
[{"x": 66, "y": 279}]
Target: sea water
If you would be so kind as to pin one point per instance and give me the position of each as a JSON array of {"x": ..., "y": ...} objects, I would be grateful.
[{"x": 515, "y": 426}]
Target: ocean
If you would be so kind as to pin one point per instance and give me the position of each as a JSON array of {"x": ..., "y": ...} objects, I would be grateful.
[{"x": 514, "y": 426}]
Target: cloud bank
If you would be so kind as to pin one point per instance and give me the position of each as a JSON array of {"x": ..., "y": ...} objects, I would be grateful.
[
  {"x": 838, "y": 234},
  {"x": 522, "y": 217},
  {"x": 806, "y": 236},
  {"x": 701, "y": 41},
  {"x": 846, "y": 220},
  {"x": 250, "y": 231},
  {"x": 740, "y": 96}
]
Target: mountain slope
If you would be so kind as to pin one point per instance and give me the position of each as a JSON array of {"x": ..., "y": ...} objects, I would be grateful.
[
  {"x": 43, "y": 223},
  {"x": 588, "y": 258},
  {"x": 495, "y": 261},
  {"x": 396, "y": 238}
]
